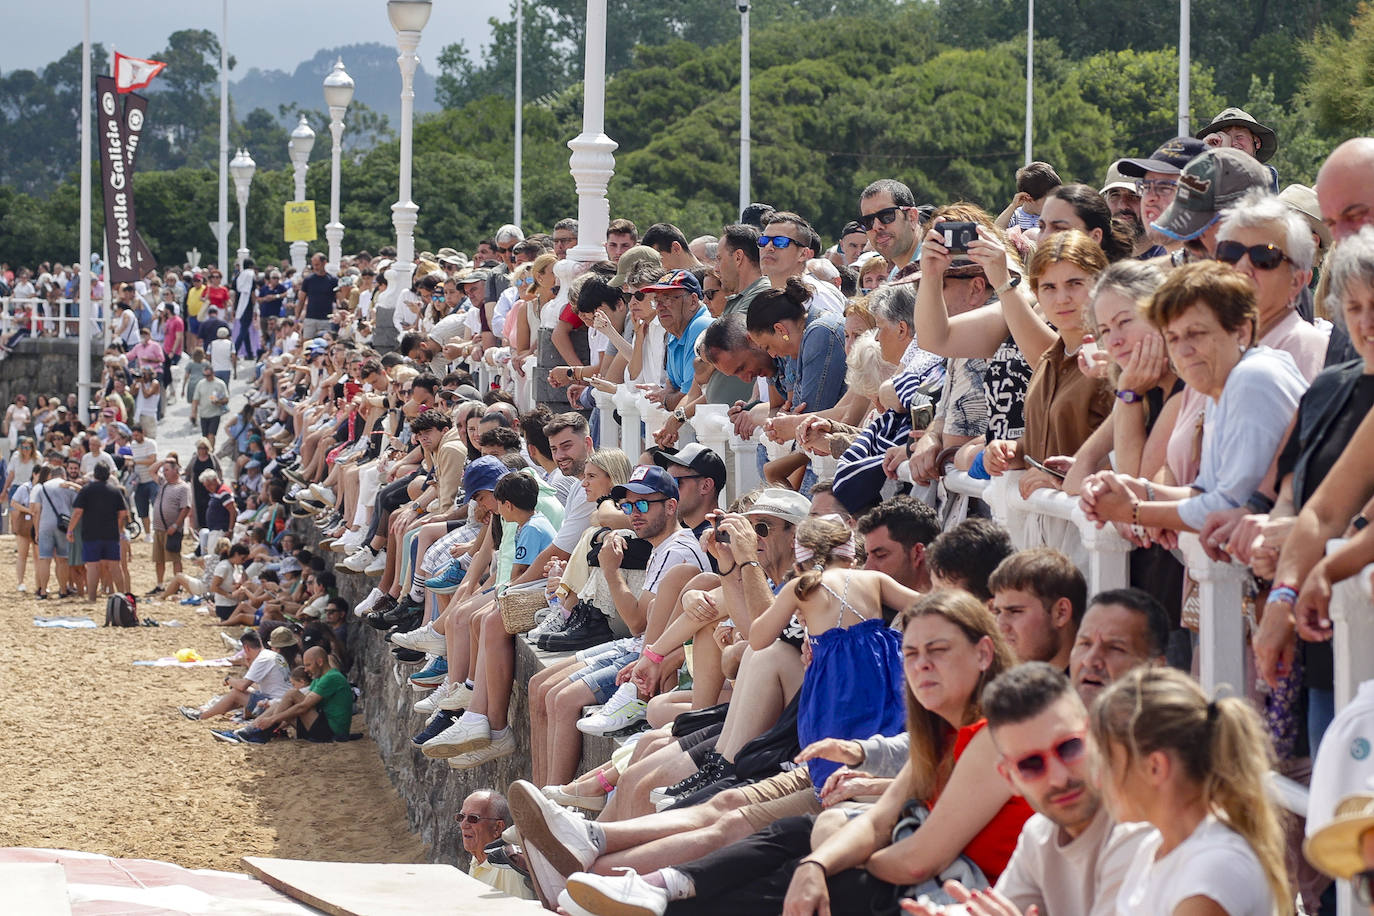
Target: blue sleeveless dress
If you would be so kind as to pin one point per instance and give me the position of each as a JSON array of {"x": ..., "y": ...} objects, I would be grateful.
[{"x": 854, "y": 687}]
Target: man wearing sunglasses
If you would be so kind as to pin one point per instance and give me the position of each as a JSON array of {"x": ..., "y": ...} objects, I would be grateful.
[
  {"x": 887, "y": 212},
  {"x": 1071, "y": 856},
  {"x": 786, "y": 243},
  {"x": 649, "y": 499},
  {"x": 483, "y": 817}
]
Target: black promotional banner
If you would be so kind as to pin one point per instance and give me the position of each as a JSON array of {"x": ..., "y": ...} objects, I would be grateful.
[
  {"x": 135, "y": 111},
  {"x": 118, "y": 137}
]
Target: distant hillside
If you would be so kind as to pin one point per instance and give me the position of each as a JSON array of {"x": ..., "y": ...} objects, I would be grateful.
[{"x": 372, "y": 66}]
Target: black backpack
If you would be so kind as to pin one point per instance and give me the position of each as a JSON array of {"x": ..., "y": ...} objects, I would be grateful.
[{"x": 121, "y": 610}]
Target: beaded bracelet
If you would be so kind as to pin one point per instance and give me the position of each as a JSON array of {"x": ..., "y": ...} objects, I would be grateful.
[{"x": 1283, "y": 594}]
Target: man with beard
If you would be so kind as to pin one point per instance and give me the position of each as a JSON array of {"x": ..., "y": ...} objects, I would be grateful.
[
  {"x": 1124, "y": 202},
  {"x": 569, "y": 443},
  {"x": 1156, "y": 181},
  {"x": 889, "y": 215}
]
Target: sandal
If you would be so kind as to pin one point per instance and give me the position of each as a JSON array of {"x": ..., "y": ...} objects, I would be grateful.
[{"x": 41, "y": 595}]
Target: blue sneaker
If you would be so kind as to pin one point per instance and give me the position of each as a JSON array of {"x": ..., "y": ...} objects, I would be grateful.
[
  {"x": 250, "y": 734},
  {"x": 192, "y": 601},
  {"x": 447, "y": 581},
  {"x": 436, "y": 723},
  {"x": 432, "y": 675},
  {"x": 227, "y": 736}
]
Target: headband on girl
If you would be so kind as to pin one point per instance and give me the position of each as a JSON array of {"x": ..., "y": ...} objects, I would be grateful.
[{"x": 845, "y": 550}]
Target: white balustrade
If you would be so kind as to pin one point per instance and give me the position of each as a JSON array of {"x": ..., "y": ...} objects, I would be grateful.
[
  {"x": 744, "y": 459},
  {"x": 62, "y": 323},
  {"x": 609, "y": 428},
  {"x": 626, "y": 400},
  {"x": 1221, "y": 621}
]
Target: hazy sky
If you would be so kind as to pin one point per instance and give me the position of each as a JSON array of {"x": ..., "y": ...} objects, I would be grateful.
[{"x": 269, "y": 34}]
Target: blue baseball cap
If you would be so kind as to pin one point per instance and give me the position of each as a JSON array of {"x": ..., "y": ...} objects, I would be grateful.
[
  {"x": 646, "y": 479},
  {"x": 675, "y": 281},
  {"x": 482, "y": 474}
]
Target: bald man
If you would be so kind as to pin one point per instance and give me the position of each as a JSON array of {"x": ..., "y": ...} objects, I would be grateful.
[
  {"x": 322, "y": 712},
  {"x": 1345, "y": 193},
  {"x": 1345, "y": 188}
]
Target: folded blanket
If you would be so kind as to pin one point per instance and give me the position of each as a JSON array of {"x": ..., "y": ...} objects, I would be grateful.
[
  {"x": 171, "y": 662},
  {"x": 65, "y": 623}
]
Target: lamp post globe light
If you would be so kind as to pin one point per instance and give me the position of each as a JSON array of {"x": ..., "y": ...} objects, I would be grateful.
[
  {"x": 242, "y": 167},
  {"x": 301, "y": 143},
  {"x": 408, "y": 18},
  {"x": 338, "y": 92}
]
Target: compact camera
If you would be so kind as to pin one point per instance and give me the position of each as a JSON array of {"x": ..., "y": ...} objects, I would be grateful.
[{"x": 957, "y": 235}]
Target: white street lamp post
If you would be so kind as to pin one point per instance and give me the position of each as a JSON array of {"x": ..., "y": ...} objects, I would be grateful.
[
  {"x": 744, "y": 193},
  {"x": 593, "y": 153},
  {"x": 241, "y": 168},
  {"x": 338, "y": 92},
  {"x": 222, "y": 225},
  {"x": 408, "y": 18},
  {"x": 518, "y": 197},
  {"x": 301, "y": 143}
]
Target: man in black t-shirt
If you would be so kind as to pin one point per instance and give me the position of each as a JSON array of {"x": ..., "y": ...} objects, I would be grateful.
[
  {"x": 101, "y": 510},
  {"x": 318, "y": 287}
]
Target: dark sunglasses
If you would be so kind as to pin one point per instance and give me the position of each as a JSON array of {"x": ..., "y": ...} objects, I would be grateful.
[
  {"x": 777, "y": 241},
  {"x": 712, "y": 293},
  {"x": 1264, "y": 257},
  {"x": 472, "y": 819},
  {"x": 505, "y": 250},
  {"x": 637, "y": 297},
  {"x": 1035, "y": 766},
  {"x": 887, "y": 216},
  {"x": 763, "y": 529},
  {"x": 1362, "y": 887},
  {"x": 631, "y": 506}
]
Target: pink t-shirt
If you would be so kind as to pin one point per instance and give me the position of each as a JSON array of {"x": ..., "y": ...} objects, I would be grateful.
[{"x": 1300, "y": 340}]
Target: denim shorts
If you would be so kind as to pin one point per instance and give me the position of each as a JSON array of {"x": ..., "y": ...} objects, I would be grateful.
[
  {"x": 52, "y": 543},
  {"x": 604, "y": 664}
]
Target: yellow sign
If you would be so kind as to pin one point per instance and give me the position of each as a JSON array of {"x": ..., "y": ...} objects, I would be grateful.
[{"x": 300, "y": 221}]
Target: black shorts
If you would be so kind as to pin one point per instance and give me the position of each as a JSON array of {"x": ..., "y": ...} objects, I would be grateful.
[
  {"x": 319, "y": 732},
  {"x": 700, "y": 743},
  {"x": 224, "y": 612}
]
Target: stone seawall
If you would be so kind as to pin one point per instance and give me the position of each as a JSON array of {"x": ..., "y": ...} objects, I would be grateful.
[
  {"x": 432, "y": 791},
  {"x": 45, "y": 365}
]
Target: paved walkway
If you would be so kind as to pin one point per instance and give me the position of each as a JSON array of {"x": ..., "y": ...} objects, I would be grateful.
[{"x": 176, "y": 432}]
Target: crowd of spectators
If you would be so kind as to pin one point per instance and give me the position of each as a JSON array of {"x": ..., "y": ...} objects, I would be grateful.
[{"x": 928, "y": 718}]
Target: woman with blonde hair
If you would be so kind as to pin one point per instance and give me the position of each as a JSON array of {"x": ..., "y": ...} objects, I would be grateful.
[{"x": 1196, "y": 770}]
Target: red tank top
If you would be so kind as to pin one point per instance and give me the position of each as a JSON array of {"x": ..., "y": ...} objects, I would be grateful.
[{"x": 992, "y": 847}]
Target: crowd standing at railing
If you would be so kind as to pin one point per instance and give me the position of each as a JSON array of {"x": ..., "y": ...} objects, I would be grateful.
[{"x": 1008, "y": 532}]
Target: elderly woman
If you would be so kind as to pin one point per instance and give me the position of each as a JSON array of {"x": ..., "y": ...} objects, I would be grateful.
[
  {"x": 1265, "y": 239},
  {"x": 1207, "y": 313},
  {"x": 1317, "y": 499}
]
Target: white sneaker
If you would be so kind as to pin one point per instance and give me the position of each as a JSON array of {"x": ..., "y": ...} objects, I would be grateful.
[
  {"x": 622, "y": 710},
  {"x": 423, "y": 639},
  {"x": 430, "y": 704},
  {"x": 460, "y": 697},
  {"x": 553, "y": 622},
  {"x": 625, "y": 894},
  {"x": 359, "y": 561},
  {"x": 378, "y": 564},
  {"x": 323, "y": 494},
  {"x": 148, "y": 538},
  {"x": 498, "y": 748},
  {"x": 232, "y": 644},
  {"x": 368, "y": 603},
  {"x": 560, "y": 835},
  {"x": 350, "y": 542},
  {"x": 569, "y": 905},
  {"x": 458, "y": 738}
]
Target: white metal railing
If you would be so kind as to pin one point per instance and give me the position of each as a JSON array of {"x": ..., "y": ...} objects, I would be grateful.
[{"x": 38, "y": 322}]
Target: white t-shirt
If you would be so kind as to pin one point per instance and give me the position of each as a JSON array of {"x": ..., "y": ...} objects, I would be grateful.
[
  {"x": 678, "y": 548},
  {"x": 1214, "y": 862},
  {"x": 246, "y": 282},
  {"x": 89, "y": 461},
  {"x": 221, "y": 354},
  {"x": 653, "y": 370},
  {"x": 227, "y": 573},
  {"x": 447, "y": 328},
  {"x": 143, "y": 473},
  {"x": 270, "y": 674},
  {"x": 365, "y": 304},
  {"x": 1080, "y": 875},
  {"x": 577, "y": 515}
]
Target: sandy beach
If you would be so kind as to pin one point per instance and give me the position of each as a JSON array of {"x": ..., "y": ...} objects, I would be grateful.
[{"x": 94, "y": 757}]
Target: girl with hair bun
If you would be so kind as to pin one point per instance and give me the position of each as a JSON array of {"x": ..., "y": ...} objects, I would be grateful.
[
  {"x": 1196, "y": 770},
  {"x": 853, "y": 688},
  {"x": 807, "y": 338}
]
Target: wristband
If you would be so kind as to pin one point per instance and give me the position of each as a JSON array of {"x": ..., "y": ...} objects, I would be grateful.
[
  {"x": 1149, "y": 490},
  {"x": 1127, "y": 396},
  {"x": 976, "y": 470},
  {"x": 819, "y": 865},
  {"x": 747, "y": 563},
  {"x": 651, "y": 655},
  {"x": 1283, "y": 594}
]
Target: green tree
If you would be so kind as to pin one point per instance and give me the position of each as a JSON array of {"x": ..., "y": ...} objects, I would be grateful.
[
  {"x": 40, "y": 121},
  {"x": 183, "y": 109},
  {"x": 1340, "y": 88}
]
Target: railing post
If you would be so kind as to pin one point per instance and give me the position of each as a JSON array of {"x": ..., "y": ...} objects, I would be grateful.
[
  {"x": 744, "y": 453},
  {"x": 1221, "y": 625},
  {"x": 653, "y": 416},
  {"x": 1352, "y": 632},
  {"x": 527, "y": 387},
  {"x": 610, "y": 429},
  {"x": 627, "y": 402},
  {"x": 1109, "y": 554}
]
